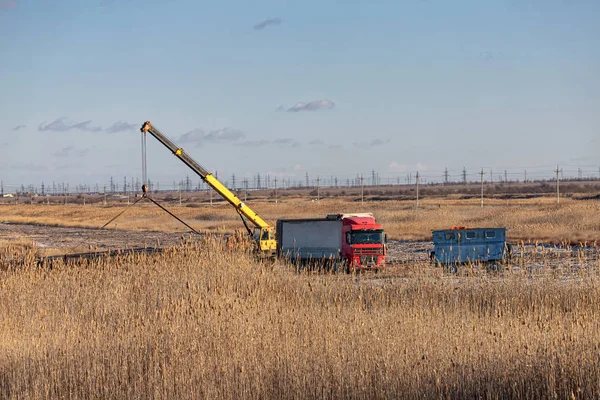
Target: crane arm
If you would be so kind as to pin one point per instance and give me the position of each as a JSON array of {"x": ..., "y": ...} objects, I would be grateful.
[{"x": 206, "y": 176}]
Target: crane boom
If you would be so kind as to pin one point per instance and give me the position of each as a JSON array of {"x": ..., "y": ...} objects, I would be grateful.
[{"x": 207, "y": 177}]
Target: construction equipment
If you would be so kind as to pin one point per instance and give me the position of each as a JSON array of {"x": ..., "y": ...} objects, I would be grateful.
[
  {"x": 354, "y": 241},
  {"x": 263, "y": 234}
]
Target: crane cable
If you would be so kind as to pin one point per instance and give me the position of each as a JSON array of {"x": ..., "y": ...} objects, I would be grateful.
[
  {"x": 171, "y": 214},
  {"x": 144, "y": 162},
  {"x": 72, "y": 248},
  {"x": 144, "y": 196},
  {"x": 145, "y": 187},
  {"x": 244, "y": 221}
]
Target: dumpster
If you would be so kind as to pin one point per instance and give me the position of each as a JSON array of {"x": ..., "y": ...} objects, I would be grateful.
[{"x": 463, "y": 245}]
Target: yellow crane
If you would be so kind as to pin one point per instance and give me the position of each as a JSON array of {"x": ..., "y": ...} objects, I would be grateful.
[{"x": 263, "y": 234}]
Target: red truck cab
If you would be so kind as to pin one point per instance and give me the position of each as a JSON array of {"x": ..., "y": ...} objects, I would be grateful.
[{"x": 363, "y": 242}]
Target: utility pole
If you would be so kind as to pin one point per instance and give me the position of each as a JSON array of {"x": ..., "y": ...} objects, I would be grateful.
[
  {"x": 557, "y": 186},
  {"x": 307, "y": 179},
  {"x": 465, "y": 175},
  {"x": 417, "y": 178},
  {"x": 180, "y": 184},
  {"x": 275, "y": 190},
  {"x": 362, "y": 190},
  {"x": 245, "y": 189},
  {"x": 2, "y": 188},
  {"x": 481, "y": 187},
  {"x": 233, "y": 181},
  {"x": 446, "y": 176},
  {"x": 318, "y": 186},
  {"x": 525, "y": 180},
  {"x": 373, "y": 178}
]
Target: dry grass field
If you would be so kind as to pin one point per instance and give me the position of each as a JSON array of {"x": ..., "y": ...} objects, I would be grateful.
[
  {"x": 200, "y": 321},
  {"x": 525, "y": 219}
]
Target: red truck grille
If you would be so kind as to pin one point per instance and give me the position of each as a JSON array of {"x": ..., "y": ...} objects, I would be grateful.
[{"x": 374, "y": 251}]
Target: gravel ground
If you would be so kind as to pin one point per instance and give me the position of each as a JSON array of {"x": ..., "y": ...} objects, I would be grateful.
[{"x": 57, "y": 240}]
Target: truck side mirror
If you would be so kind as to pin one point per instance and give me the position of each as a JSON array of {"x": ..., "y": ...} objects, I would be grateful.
[
  {"x": 348, "y": 238},
  {"x": 385, "y": 239}
]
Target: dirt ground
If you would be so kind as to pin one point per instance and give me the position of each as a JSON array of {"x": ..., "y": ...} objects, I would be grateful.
[{"x": 50, "y": 240}]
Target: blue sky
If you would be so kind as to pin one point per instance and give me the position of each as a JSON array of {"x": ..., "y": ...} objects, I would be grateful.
[{"x": 285, "y": 88}]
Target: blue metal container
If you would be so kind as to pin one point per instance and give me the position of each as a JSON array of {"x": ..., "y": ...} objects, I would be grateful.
[{"x": 469, "y": 245}]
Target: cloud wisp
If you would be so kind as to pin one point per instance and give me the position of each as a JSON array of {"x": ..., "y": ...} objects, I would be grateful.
[
  {"x": 379, "y": 142},
  {"x": 70, "y": 151},
  {"x": 267, "y": 22},
  {"x": 120, "y": 126},
  {"x": 199, "y": 136},
  {"x": 19, "y": 127},
  {"x": 373, "y": 143},
  {"x": 63, "y": 125},
  {"x": 312, "y": 106},
  {"x": 395, "y": 166},
  {"x": 253, "y": 143},
  {"x": 286, "y": 142}
]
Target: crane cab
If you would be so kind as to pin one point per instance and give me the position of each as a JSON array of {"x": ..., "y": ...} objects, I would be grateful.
[{"x": 264, "y": 238}]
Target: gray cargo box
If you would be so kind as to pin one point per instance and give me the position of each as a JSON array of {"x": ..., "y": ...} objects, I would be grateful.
[{"x": 306, "y": 239}]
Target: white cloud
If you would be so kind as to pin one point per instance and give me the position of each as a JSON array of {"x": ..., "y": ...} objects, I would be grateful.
[
  {"x": 395, "y": 166},
  {"x": 312, "y": 106},
  {"x": 199, "y": 136},
  {"x": 63, "y": 125},
  {"x": 120, "y": 126}
]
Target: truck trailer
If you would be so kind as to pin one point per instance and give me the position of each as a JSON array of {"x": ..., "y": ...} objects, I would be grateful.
[{"x": 350, "y": 242}]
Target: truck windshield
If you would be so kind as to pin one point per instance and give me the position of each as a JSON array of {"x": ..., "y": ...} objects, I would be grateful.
[{"x": 360, "y": 237}]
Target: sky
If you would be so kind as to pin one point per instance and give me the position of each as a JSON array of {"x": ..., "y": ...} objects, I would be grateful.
[{"x": 287, "y": 88}]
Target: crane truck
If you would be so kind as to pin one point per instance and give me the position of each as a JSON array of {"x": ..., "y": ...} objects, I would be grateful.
[{"x": 355, "y": 241}]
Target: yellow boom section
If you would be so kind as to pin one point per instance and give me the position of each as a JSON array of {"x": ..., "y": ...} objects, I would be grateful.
[
  {"x": 235, "y": 201},
  {"x": 205, "y": 175}
]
